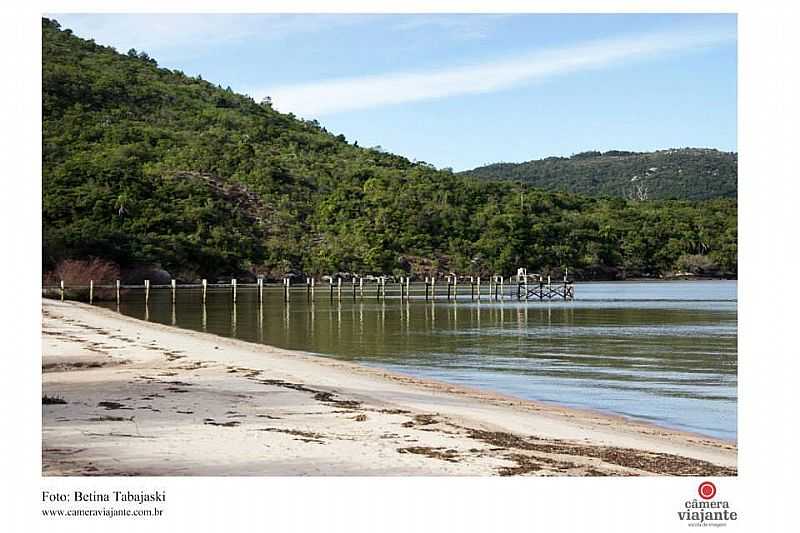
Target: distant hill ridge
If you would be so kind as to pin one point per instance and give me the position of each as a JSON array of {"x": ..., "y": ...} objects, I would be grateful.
[
  {"x": 144, "y": 166},
  {"x": 681, "y": 173}
]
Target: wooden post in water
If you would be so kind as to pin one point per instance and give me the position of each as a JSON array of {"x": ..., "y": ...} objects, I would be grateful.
[
  {"x": 62, "y": 290},
  {"x": 449, "y": 285},
  {"x": 501, "y": 287},
  {"x": 408, "y": 287},
  {"x": 339, "y": 289},
  {"x": 426, "y": 289},
  {"x": 174, "y": 287},
  {"x": 91, "y": 290},
  {"x": 433, "y": 287},
  {"x": 455, "y": 287},
  {"x": 472, "y": 287},
  {"x": 117, "y": 292},
  {"x": 146, "y": 291},
  {"x": 205, "y": 290},
  {"x": 331, "y": 288},
  {"x": 361, "y": 287},
  {"x": 353, "y": 283},
  {"x": 313, "y": 283},
  {"x": 233, "y": 284},
  {"x": 260, "y": 290},
  {"x": 479, "y": 287}
]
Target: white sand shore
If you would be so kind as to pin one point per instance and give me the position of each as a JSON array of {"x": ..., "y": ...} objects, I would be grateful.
[{"x": 148, "y": 399}]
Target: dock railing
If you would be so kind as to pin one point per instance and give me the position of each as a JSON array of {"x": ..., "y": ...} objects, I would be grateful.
[{"x": 451, "y": 287}]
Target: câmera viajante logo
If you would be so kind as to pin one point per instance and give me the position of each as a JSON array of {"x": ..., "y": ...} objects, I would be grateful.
[
  {"x": 707, "y": 490},
  {"x": 707, "y": 511}
]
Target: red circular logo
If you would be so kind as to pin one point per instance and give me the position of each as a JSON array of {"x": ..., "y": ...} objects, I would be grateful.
[{"x": 707, "y": 490}]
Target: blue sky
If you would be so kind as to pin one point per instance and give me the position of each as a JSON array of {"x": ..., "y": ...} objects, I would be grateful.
[{"x": 464, "y": 90}]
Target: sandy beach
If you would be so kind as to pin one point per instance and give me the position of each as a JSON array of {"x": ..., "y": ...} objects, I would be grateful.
[{"x": 147, "y": 399}]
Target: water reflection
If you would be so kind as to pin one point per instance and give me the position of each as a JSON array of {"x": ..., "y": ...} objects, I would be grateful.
[{"x": 663, "y": 352}]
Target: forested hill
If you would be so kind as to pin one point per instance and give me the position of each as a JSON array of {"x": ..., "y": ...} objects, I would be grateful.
[
  {"x": 145, "y": 166},
  {"x": 686, "y": 173}
]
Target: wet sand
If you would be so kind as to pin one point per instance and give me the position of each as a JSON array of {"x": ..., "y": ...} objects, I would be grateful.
[{"x": 148, "y": 399}]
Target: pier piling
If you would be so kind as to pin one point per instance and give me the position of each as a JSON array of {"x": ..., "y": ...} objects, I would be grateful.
[{"x": 528, "y": 287}]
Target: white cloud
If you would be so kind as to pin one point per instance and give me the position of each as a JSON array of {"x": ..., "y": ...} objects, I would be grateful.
[
  {"x": 348, "y": 94},
  {"x": 156, "y": 33},
  {"x": 463, "y": 26}
]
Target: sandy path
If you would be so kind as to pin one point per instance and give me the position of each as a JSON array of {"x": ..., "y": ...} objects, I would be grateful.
[{"x": 147, "y": 399}]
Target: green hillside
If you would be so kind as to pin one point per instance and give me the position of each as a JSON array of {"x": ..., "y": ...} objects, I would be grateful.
[
  {"x": 687, "y": 173},
  {"x": 147, "y": 166}
]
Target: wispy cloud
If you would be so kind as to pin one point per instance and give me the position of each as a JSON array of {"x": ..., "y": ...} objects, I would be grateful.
[
  {"x": 349, "y": 94},
  {"x": 180, "y": 32},
  {"x": 463, "y": 27}
]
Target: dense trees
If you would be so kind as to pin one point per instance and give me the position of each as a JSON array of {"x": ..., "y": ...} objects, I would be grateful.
[
  {"x": 687, "y": 173},
  {"x": 143, "y": 165}
]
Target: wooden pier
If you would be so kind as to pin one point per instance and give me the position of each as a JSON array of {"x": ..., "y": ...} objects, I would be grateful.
[
  {"x": 452, "y": 287},
  {"x": 546, "y": 291}
]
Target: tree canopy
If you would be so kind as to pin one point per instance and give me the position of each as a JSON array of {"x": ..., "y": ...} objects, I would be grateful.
[
  {"x": 684, "y": 174},
  {"x": 145, "y": 165}
]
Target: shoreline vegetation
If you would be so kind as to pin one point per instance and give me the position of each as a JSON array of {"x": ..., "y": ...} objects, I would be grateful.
[
  {"x": 121, "y": 396},
  {"x": 154, "y": 171}
]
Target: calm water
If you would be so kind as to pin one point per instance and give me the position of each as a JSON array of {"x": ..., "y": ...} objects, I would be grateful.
[{"x": 658, "y": 351}]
